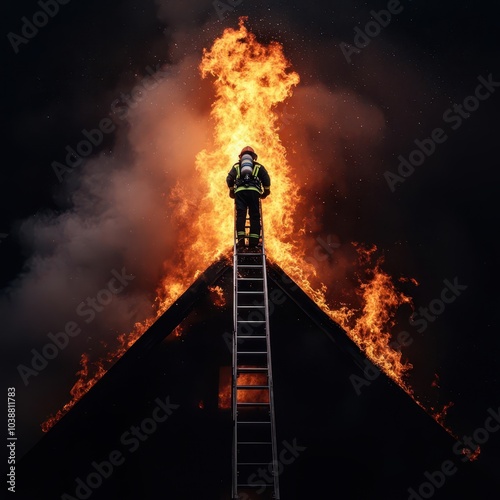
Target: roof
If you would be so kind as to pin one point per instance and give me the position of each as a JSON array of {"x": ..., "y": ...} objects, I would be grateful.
[{"x": 153, "y": 422}]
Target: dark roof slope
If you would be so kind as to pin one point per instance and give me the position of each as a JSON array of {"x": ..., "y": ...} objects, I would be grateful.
[{"x": 152, "y": 425}]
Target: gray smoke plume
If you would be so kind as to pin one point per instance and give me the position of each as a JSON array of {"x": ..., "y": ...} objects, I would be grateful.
[{"x": 94, "y": 265}]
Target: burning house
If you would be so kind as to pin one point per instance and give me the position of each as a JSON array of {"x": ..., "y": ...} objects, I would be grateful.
[
  {"x": 160, "y": 419},
  {"x": 155, "y": 418}
]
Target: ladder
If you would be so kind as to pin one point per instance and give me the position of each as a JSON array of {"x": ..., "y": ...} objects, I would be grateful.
[{"x": 255, "y": 456}]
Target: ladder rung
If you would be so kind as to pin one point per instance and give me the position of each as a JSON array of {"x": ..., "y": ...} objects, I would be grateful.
[
  {"x": 255, "y": 422},
  {"x": 244, "y": 387},
  {"x": 258, "y": 443},
  {"x": 253, "y": 463},
  {"x": 257, "y": 417},
  {"x": 253, "y": 369},
  {"x": 260, "y": 484},
  {"x": 255, "y": 403}
]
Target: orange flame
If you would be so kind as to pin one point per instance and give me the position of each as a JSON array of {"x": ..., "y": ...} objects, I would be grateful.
[
  {"x": 472, "y": 455},
  {"x": 89, "y": 374},
  {"x": 370, "y": 329},
  {"x": 250, "y": 81},
  {"x": 440, "y": 415},
  {"x": 217, "y": 296},
  {"x": 177, "y": 332},
  {"x": 244, "y": 395}
]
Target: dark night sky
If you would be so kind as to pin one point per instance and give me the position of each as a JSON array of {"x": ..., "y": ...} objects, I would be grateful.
[{"x": 439, "y": 224}]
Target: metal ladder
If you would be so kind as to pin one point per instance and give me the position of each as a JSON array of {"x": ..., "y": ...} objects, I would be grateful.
[{"x": 255, "y": 455}]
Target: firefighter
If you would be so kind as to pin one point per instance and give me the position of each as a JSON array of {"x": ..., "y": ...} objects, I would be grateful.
[{"x": 248, "y": 181}]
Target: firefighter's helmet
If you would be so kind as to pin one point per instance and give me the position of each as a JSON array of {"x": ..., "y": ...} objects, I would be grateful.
[{"x": 248, "y": 150}]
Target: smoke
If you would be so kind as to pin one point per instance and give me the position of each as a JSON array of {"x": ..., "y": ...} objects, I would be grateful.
[
  {"x": 97, "y": 261},
  {"x": 319, "y": 126},
  {"x": 322, "y": 124},
  {"x": 94, "y": 265},
  {"x": 118, "y": 215},
  {"x": 344, "y": 125},
  {"x": 182, "y": 15},
  {"x": 118, "y": 219}
]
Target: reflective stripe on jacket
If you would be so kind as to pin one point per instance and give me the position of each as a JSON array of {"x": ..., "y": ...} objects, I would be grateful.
[{"x": 252, "y": 184}]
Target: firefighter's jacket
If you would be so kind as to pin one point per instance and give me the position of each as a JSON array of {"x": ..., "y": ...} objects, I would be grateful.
[{"x": 259, "y": 180}]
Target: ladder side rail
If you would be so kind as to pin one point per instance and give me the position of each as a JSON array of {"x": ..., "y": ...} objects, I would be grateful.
[
  {"x": 235, "y": 367},
  {"x": 274, "y": 444}
]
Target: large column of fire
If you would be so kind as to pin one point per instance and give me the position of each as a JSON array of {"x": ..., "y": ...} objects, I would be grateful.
[{"x": 250, "y": 81}]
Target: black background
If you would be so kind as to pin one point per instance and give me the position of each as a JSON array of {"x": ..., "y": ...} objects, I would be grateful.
[{"x": 441, "y": 223}]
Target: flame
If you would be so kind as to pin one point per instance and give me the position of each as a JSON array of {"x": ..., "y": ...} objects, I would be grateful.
[
  {"x": 177, "y": 332},
  {"x": 440, "y": 415},
  {"x": 217, "y": 296},
  {"x": 88, "y": 375},
  {"x": 471, "y": 455},
  {"x": 250, "y": 80},
  {"x": 370, "y": 328},
  {"x": 244, "y": 395}
]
